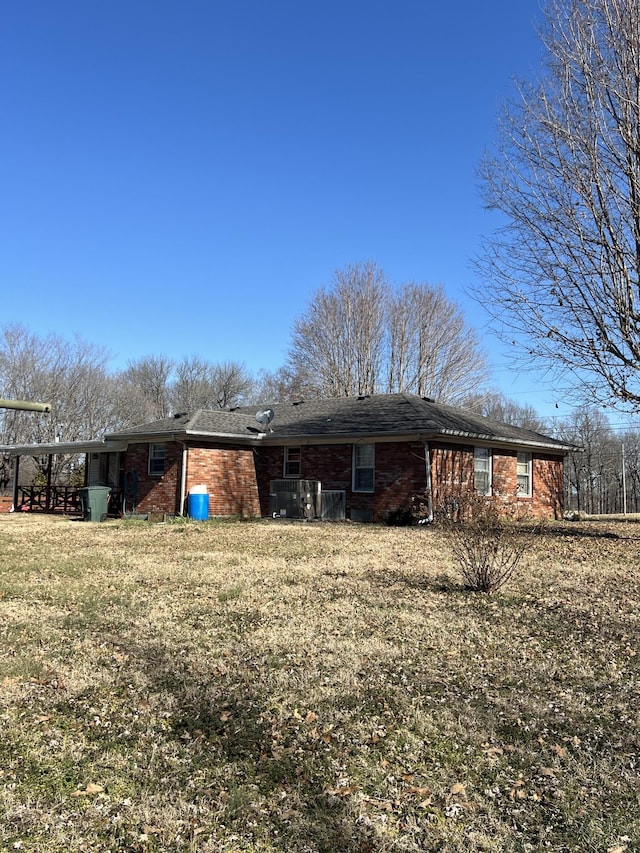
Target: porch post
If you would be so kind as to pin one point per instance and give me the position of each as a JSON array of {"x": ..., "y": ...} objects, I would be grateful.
[
  {"x": 14, "y": 498},
  {"x": 47, "y": 491}
]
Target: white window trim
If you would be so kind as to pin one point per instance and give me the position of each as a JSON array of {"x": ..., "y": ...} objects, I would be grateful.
[
  {"x": 286, "y": 472},
  {"x": 371, "y": 467},
  {"x": 528, "y": 461},
  {"x": 489, "y": 470},
  {"x": 153, "y": 458}
]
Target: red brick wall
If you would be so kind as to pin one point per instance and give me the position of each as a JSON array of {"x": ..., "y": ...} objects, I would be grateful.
[
  {"x": 227, "y": 472},
  {"x": 548, "y": 487},
  {"x": 452, "y": 470},
  {"x": 156, "y": 493},
  {"x": 505, "y": 472},
  {"x": 238, "y": 478},
  {"x": 399, "y": 472},
  {"x": 547, "y": 496}
]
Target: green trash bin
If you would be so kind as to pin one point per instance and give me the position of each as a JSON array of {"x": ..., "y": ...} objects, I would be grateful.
[{"x": 94, "y": 501}]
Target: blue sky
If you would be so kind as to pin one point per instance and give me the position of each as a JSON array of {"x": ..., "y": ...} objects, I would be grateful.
[{"x": 178, "y": 178}]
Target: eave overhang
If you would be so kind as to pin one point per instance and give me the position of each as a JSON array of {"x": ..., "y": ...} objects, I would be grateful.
[
  {"x": 109, "y": 445},
  {"x": 305, "y": 439},
  {"x": 459, "y": 437},
  {"x": 56, "y": 448}
]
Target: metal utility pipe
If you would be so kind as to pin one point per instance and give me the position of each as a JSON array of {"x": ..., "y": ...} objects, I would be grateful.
[
  {"x": 25, "y": 406},
  {"x": 427, "y": 462},
  {"x": 183, "y": 478}
]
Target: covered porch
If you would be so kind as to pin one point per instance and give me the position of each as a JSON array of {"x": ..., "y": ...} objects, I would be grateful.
[{"x": 102, "y": 468}]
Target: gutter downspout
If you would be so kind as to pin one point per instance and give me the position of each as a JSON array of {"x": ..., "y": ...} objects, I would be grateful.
[
  {"x": 427, "y": 464},
  {"x": 183, "y": 477}
]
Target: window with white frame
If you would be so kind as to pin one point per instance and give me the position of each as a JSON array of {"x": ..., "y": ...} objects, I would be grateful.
[
  {"x": 292, "y": 458},
  {"x": 524, "y": 475},
  {"x": 157, "y": 459},
  {"x": 482, "y": 470},
  {"x": 363, "y": 467}
]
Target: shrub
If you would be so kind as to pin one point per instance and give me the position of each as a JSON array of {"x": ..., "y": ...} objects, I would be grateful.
[
  {"x": 488, "y": 538},
  {"x": 401, "y": 517}
]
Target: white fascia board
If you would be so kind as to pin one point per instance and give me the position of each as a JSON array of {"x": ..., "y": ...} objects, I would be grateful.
[{"x": 63, "y": 447}]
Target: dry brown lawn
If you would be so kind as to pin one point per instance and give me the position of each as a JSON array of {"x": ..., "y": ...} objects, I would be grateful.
[{"x": 230, "y": 686}]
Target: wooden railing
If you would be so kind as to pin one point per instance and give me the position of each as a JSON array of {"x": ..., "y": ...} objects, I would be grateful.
[
  {"x": 55, "y": 499},
  {"x": 64, "y": 499}
]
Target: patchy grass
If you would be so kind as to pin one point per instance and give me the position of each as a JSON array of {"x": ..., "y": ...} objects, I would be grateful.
[{"x": 299, "y": 687}]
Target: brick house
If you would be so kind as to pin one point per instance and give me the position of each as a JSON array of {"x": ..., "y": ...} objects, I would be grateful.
[{"x": 360, "y": 458}]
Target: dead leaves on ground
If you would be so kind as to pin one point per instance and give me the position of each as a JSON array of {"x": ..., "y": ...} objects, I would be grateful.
[
  {"x": 89, "y": 791},
  {"x": 396, "y": 707}
]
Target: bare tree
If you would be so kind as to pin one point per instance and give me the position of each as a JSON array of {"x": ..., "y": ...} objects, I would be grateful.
[
  {"x": 594, "y": 474},
  {"x": 498, "y": 407},
  {"x": 563, "y": 273},
  {"x": 280, "y": 385},
  {"x": 233, "y": 383},
  {"x": 194, "y": 387},
  {"x": 200, "y": 384},
  {"x": 432, "y": 352},
  {"x": 630, "y": 440},
  {"x": 362, "y": 337},
  {"x": 144, "y": 389},
  {"x": 70, "y": 375},
  {"x": 337, "y": 345}
]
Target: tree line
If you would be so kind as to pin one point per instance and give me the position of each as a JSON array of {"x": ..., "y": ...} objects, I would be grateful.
[
  {"x": 88, "y": 399},
  {"x": 359, "y": 335},
  {"x": 604, "y": 477}
]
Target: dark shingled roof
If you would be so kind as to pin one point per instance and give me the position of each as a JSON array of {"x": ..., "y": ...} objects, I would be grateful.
[
  {"x": 205, "y": 422},
  {"x": 381, "y": 415}
]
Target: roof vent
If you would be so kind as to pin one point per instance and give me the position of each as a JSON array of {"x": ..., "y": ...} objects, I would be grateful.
[
  {"x": 179, "y": 415},
  {"x": 428, "y": 399}
]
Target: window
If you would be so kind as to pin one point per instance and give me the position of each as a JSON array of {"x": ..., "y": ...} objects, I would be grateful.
[
  {"x": 157, "y": 459},
  {"x": 524, "y": 475},
  {"x": 292, "y": 458},
  {"x": 363, "y": 467},
  {"x": 482, "y": 470}
]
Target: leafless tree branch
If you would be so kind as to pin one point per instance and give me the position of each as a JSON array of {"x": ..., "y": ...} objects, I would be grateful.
[{"x": 562, "y": 275}]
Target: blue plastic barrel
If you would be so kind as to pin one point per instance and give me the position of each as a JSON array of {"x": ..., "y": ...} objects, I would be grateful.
[{"x": 199, "y": 503}]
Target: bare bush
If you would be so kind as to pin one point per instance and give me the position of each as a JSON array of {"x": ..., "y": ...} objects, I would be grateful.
[{"x": 488, "y": 537}]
